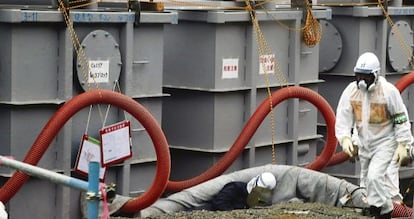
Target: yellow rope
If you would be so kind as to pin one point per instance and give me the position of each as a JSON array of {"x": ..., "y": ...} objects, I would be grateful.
[
  {"x": 339, "y": 4},
  {"x": 312, "y": 31},
  {"x": 77, "y": 1},
  {"x": 206, "y": 6},
  {"x": 77, "y": 46},
  {"x": 406, "y": 48},
  {"x": 80, "y": 52},
  {"x": 264, "y": 49}
]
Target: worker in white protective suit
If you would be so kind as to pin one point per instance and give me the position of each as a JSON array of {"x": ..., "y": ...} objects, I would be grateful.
[{"x": 375, "y": 108}]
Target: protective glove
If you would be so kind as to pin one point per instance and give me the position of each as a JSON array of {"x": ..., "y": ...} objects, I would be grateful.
[
  {"x": 401, "y": 155},
  {"x": 348, "y": 147}
]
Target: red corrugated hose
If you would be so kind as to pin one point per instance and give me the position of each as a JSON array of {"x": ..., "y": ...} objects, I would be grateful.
[
  {"x": 405, "y": 81},
  {"x": 161, "y": 181},
  {"x": 254, "y": 122},
  {"x": 10, "y": 188}
]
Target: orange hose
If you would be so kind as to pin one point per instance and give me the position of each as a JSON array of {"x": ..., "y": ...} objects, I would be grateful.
[
  {"x": 10, "y": 188},
  {"x": 405, "y": 81},
  {"x": 338, "y": 158},
  {"x": 254, "y": 122}
]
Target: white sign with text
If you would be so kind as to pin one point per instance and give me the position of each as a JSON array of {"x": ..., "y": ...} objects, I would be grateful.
[
  {"x": 230, "y": 68},
  {"x": 89, "y": 150},
  {"x": 116, "y": 143},
  {"x": 267, "y": 64},
  {"x": 98, "y": 71}
]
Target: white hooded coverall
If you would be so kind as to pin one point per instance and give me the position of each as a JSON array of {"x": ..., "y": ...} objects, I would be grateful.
[
  {"x": 381, "y": 120},
  {"x": 392, "y": 179}
]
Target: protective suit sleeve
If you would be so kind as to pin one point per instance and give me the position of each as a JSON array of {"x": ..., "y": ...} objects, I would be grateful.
[
  {"x": 344, "y": 115},
  {"x": 399, "y": 115}
]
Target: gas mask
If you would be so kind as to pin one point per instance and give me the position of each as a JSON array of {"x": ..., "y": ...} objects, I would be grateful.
[
  {"x": 367, "y": 84},
  {"x": 363, "y": 85}
]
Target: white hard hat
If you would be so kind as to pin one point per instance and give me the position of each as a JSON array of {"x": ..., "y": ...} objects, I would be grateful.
[
  {"x": 265, "y": 180},
  {"x": 367, "y": 63}
]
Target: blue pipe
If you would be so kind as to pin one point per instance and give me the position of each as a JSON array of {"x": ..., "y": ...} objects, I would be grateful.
[
  {"x": 44, "y": 174},
  {"x": 93, "y": 190}
]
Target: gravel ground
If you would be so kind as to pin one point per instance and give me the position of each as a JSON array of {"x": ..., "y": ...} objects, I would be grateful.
[{"x": 283, "y": 210}]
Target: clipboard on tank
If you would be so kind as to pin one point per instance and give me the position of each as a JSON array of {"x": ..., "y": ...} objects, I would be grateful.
[
  {"x": 89, "y": 150},
  {"x": 115, "y": 143}
]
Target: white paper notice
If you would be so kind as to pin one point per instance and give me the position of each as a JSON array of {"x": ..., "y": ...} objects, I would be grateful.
[
  {"x": 99, "y": 71},
  {"x": 90, "y": 150},
  {"x": 267, "y": 62},
  {"x": 115, "y": 142},
  {"x": 230, "y": 68}
]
